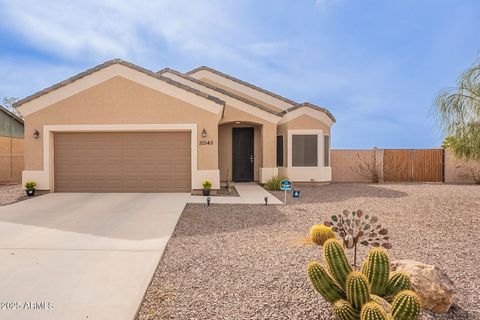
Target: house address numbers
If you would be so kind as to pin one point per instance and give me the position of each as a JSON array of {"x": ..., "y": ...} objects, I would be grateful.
[{"x": 206, "y": 142}]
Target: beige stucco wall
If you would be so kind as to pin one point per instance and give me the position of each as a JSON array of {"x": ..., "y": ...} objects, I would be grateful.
[
  {"x": 121, "y": 101},
  {"x": 459, "y": 170},
  {"x": 305, "y": 122},
  {"x": 11, "y": 159},
  {"x": 343, "y": 162}
]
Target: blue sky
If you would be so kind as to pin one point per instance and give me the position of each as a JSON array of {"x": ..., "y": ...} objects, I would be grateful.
[{"x": 377, "y": 65}]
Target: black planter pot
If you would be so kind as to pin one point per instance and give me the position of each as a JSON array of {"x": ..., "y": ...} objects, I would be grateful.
[
  {"x": 30, "y": 192},
  {"x": 206, "y": 192}
]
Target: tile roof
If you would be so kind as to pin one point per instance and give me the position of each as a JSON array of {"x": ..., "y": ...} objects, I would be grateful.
[
  {"x": 241, "y": 82},
  {"x": 310, "y": 105},
  {"x": 220, "y": 90},
  {"x": 296, "y": 105},
  {"x": 126, "y": 64}
]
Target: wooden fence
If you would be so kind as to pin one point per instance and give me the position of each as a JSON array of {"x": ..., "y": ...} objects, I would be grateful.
[{"x": 413, "y": 165}]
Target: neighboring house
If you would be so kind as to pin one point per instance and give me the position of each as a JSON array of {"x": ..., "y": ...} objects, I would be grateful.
[
  {"x": 120, "y": 127},
  {"x": 11, "y": 146}
]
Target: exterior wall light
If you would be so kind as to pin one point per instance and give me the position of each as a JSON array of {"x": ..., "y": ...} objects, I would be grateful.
[
  {"x": 204, "y": 133},
  {"x": 36, "y": 134}
]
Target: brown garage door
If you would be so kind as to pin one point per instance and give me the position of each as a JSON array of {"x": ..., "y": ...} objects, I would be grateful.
[{"x": 122, "y": 162}]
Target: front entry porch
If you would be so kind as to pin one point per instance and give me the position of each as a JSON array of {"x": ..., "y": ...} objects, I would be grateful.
[{"x": 240, "y": 151}]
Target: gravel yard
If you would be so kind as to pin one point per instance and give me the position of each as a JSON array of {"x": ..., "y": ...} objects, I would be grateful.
[
  {"x": 11, "y": 193},
  {"x": 248, "y": 261}
]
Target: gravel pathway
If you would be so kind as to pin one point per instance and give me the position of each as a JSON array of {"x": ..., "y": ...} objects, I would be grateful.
[{"x": 248, "y": 261}]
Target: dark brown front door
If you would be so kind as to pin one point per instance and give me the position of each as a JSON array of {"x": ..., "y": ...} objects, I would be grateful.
[{"x": 242, "y": 154}]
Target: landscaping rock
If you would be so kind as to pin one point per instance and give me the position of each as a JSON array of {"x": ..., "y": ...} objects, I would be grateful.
[{"x": 435, "y": 289}]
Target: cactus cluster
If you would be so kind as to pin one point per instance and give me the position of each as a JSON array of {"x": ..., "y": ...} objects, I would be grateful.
[
  {"x": 320, "y": 233},
  {"x": 365, "y": 294}
]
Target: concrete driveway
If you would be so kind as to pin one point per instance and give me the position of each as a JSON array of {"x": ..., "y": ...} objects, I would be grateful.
[{"x": 83, "y": 255}]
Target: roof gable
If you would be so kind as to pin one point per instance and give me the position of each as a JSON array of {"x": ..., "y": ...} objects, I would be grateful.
[
  {"x": 108, "y": 70},
  {"x": 219, "y": 90},
  {"x": 242, "y": 86}
]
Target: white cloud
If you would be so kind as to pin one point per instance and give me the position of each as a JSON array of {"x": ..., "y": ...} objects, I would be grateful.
[{"x": 126, "y": 29}]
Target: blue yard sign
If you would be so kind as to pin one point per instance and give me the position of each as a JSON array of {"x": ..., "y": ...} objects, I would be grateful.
[{"x": 285, "y": 185}]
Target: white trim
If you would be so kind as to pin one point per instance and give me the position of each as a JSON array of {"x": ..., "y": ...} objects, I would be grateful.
[
  {"x": 329, "y": 150},
  {"x": 47, "y": 174},
  {"x": 313, "y": 113},
  {"x": 318, "y": 133},
  {"x": 232, "y": 102},
  {"x": 116, "y": 70},
  {"x": 318, "y": 173}
]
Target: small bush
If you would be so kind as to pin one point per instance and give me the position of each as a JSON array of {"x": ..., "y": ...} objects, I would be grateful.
[
  {"x": 273, "y": 184},
  {"x": 30, "y": 185},
  {"x": 207, "y": 184}
]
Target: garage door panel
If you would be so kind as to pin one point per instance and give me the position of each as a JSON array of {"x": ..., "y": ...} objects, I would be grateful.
[{"x": 122, "y": 162}]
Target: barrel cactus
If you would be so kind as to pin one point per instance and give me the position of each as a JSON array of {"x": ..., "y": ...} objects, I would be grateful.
[
  {"x": 372, "y": 311},
  {"x": 320, "y": 233},
  {"x": 399, "y": 281},
  {"x": 377, "y": 270},
  {"x": 357, "y": 290},
  {"x": 337, "y": 261},
  {"x": 365, "y": 294},
  {"x": 406, "y": 306}
]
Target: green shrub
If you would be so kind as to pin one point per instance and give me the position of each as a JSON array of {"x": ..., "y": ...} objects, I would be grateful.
[
  {"x": 273, "y": 184},
  {"x": 30, "y": 185},
  {"x": 207, "y": 184}
]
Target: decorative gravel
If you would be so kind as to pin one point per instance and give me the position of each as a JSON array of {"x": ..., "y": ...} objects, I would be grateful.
[
  {"x": 248, "y": 261},
  {"x": 11, "y": 193}
]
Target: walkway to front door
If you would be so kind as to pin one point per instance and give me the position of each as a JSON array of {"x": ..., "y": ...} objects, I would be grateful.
[{"x": 249, "y": 193}]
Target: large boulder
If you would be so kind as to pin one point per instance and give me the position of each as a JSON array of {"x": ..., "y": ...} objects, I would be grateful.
[{"x": 434, "y": 288}]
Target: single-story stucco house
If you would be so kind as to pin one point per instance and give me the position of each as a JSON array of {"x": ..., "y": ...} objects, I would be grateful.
[{"x": 121, "y": 128}]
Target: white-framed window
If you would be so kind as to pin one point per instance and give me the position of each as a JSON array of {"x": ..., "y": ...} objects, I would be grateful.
[
  {"x": 326, "y": 151},
  {"x": 304, "y": 150}
]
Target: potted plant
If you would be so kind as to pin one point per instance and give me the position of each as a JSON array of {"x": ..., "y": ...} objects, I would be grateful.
[
  {"x": 30, "y": 188},
  {"x": 207, "y": 185}
]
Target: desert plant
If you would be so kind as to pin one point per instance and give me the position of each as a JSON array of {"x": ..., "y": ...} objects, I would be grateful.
[
  {"x": 369, "y": 168},
  {"x": 398, "y": 281},
  {"x": 356, "y": 227},
  {"x": 273, "y": 184},
  {"x": 320, "y": 233},
  {"x": 469, "y": 172},
  {"x": 457, "y": 112},
  {"x": 30, "y": 185},
  {"x": 351, "y": 293},
  {"x": 406, "y": 306},
  {"x": 207, "y": 184},
  {"x": 377, "y": 270},
  {"x": 373, "y": 311}
]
